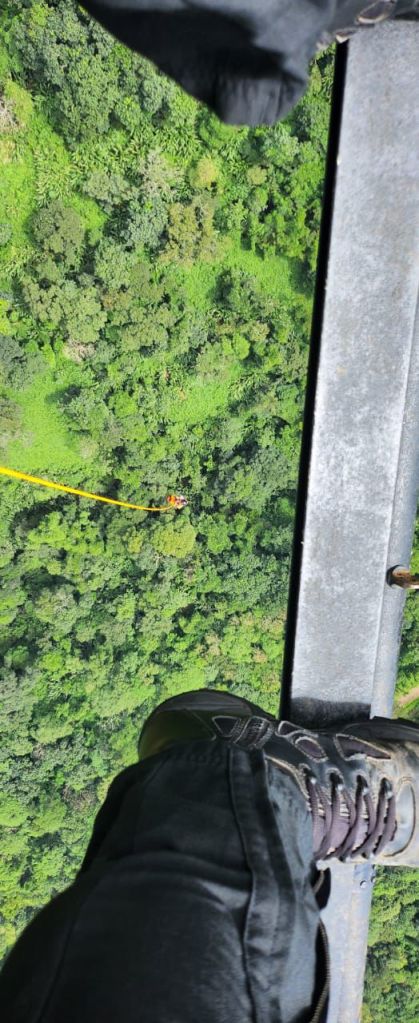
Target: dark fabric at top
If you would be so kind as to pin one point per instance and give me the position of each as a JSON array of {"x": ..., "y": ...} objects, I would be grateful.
[{"x": 246, "y": 59}]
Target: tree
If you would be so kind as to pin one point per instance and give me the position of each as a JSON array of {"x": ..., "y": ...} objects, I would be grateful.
[
  {"x": 113, "y": 264},
  {"x": 109, "y": 188},
  {"x": 59, "y": 232},
  {"x": 58, "y": 606},
  {"x": 144, "y": 223},
  {"x": 74, "y": 308},
  {"x": 18, "y": 367},
  {"x": 12, "y": 812},
  {"x": 175, "y": 540},
  {"x": 82, "y": 92},
  {"x": 205, "y": 174}
]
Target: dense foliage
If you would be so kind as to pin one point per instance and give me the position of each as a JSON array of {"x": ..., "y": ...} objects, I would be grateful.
[{"x": 156, "y": 277}]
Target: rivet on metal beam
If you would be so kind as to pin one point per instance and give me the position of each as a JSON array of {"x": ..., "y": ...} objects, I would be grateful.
[{"x": 400, "y": 576}]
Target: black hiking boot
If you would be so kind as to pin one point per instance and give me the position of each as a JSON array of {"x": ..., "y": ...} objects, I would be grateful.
[
  {"x": 353, "y": 15},
  {"x": 360, "y": 782}
]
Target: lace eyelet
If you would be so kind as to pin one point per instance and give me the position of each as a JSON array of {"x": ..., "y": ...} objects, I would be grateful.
[{"x": 309, "y": 775}]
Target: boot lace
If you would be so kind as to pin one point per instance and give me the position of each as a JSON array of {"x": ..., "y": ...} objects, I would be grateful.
[{"x": 380, "y": 821}]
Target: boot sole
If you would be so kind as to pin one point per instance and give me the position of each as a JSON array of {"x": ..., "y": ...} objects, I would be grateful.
[
  {"x": 209, "y": 700},
  {"x": 396, "y": 729},
  {"x": 393, "y": 729}
]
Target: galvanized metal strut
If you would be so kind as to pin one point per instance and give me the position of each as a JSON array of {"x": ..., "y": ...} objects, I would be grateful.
[{"x": 359, "y": 469}]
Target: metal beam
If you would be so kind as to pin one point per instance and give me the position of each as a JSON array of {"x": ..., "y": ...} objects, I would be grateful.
[{"x": 359, "y": 469}]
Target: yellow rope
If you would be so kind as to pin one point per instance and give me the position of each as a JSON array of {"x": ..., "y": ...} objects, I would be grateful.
[{"x": 81, "y": 493}]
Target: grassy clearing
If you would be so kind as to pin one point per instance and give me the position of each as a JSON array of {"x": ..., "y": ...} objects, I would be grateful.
[
  {"x": 275, "y": 276},
  {"x": 35, "y": 168},
  {"x": 46, "y": 446}
]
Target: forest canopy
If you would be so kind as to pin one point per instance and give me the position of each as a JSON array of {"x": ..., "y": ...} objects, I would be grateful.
[{"x": 156, "y": 284}]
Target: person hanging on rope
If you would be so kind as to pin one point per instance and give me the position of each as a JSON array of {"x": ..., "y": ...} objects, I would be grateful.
[{"x": 177, "y": 501}]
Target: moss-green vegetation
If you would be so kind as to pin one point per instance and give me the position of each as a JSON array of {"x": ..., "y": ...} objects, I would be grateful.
[{"x": 156, "y": 278}]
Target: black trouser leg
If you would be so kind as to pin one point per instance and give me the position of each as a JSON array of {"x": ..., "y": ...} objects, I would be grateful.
[{"x": 193, "y": 903}]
